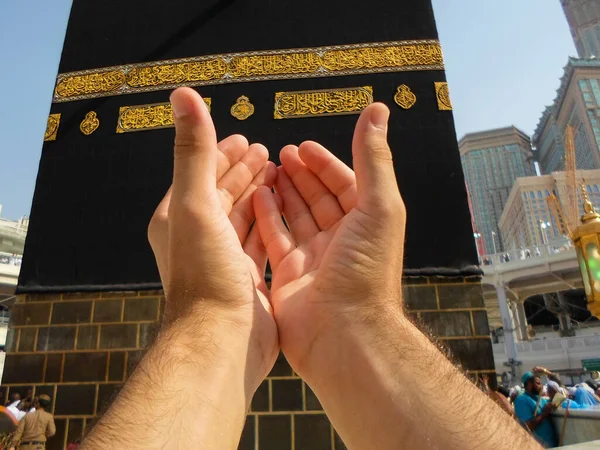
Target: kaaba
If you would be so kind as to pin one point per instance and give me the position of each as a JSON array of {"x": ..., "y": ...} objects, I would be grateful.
[{"x": 277, "y": 72}]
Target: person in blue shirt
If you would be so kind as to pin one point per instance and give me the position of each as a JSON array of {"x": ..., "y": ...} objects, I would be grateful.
[{"x": 534, "y": 412}]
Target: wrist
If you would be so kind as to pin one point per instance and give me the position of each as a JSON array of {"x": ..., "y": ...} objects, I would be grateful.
[
  {"x": 352, "y": 341},
  {"x": 216, "y": 342}
]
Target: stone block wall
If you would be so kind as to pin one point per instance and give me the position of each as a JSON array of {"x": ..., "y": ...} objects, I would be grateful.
[{"x": 80, "y": 348}]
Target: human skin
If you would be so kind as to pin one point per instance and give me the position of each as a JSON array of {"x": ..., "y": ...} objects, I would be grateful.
[
  {"x": 335, "y": 305},
  {"x": 218, "y": 339},
  {"x": 336, "y": 296}
]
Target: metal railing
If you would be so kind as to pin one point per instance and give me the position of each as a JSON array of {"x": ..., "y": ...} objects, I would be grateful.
[{"x": 528, "y": 253}]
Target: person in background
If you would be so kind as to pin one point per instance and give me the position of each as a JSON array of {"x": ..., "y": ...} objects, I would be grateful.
[
  {"x": 500, "y": 399},
  {"x": 14, "y": 399},
  {"x": 74, "y": 445},
  {"x": 14, "y": 406},
  {"x": 552, "y": 376},
  {"x": 36, "y": 427},
  {"x": 585, "y": 397},
  {"x": 515, "y": 391},
  {"x": 553, "y": 389},
  {"x": 534, "y": 411}
]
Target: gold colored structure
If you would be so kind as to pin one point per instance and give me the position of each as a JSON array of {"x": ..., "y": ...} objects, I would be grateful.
[
  {"x": 586, "y": 238},
  {"x": 242, "y": 108},
  {"x": 323, "y": 102},
  {"x": 585, "y": 235},
  {"x": 89, "y": 124},
  {"x": 571, "y": 173},
  {"x": 153, "y": 116},
  {"x": 442, "y": 94},
  {"x": 405, "y": 98},
  {"x": 52, "y": 127},
  {"x": 299, "y": 63}
]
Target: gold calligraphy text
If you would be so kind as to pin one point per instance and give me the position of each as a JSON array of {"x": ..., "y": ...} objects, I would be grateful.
[{"x": 332, "y": 102}]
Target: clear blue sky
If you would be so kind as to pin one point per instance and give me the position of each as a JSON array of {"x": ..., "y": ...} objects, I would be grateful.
[{"x": 503, "y": 58}]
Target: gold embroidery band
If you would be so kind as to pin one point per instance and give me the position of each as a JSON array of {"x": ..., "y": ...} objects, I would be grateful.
[
  {"x": 334, "y": 102},
  {"x": 147, "y": 117},
  {"x": 52, "y": 127},
  {"x": 251, "y": 66}
]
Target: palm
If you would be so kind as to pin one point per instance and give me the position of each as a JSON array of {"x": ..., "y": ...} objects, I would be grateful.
[
  {"x": 240, "y": 170},
  {"x": 335, "y": 250},
  {"x": 322, "y": 220}
]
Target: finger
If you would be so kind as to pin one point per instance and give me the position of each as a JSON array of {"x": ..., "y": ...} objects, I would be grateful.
[
  {"x": 195, "y": 165},
  {"x": 375, "y": 177},
  {"x": 333, "y": 173},
  {"x": 254, "y": 248},
  {"x": 242, "y": 214},
  {"x": 158, "y": 236},
  {"x": 275, "y": 236},
  {"x": 322, "y": 203},
  {"x": 297, "y": 214},
  {"x": 231, "y": 150},
  {"x": 235, "y": 182}
]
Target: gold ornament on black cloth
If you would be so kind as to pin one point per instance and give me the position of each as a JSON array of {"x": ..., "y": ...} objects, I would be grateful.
[
  {"x": 405, "y": 98},
  {"x": 443, "y": 96},
  {"x": 89, "y": 124},
  {"x": 242, "y": 109},
  {"x": 52, "y": 127},
  {"x": 322, "y": 102}
]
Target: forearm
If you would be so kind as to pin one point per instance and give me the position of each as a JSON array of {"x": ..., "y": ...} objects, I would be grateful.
[
  {"x": 537, "y": 420},
  {"x": 554, "y": 377},
  {"x": 191, "y": 390},
  {"x": 406, "y": 394}
]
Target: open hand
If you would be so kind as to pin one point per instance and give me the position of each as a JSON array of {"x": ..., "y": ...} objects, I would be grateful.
[
  {"x": 210, "y": 263},
  {"x": 339, "y": 266}
]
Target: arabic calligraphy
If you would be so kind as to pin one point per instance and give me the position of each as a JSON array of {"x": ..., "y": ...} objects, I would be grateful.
[
  {"x": 242, "y": 108},
  {"x": 442, "y": 94},
  {"x": 52, "y": 127},
  {"x": 89, "y": 124},
  {"x": 94, "y": 83},
  {"x": 405, "y": 98},
  {"x": 251, "y": 66},
  {"x": 326, "y": 102},
  {"x": 383, "y": 57},
  {"x": 287, "y": 64},
  {"x": 148, "y": 117},
  {"x": 175, "y": 74}
]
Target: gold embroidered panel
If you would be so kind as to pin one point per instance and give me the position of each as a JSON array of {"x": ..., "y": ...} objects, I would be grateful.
[
  {"x": 326, "y": 102},
  {"x": 148, "y": 117},
  {"x": 405, "y": 97},
  {"x": 251, "y": 66},
  {"x": 90, "y": 123},
  {"x": 52, "y": 127},
  {"x": 442, "y": 94}
]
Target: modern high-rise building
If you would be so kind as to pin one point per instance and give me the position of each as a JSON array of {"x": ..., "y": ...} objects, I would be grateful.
[
  {"x": 527, "y": 221},
  {"x": 492, "y": 161},
  {"x": 584, "y": 21},
  {"x": 577, "y": 104}
]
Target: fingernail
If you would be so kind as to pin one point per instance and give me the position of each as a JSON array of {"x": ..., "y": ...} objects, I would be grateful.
[
  {"x": 181, "y": 105},
  {"x": 380, "y": 116}
]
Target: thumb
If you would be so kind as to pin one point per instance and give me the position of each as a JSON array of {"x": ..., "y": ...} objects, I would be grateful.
[
  {"x": 372, "y": 160},
  {"x": 195, "y": 165}
]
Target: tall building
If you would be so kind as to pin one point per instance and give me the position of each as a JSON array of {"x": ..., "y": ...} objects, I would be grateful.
[
  {"x": 527, "y": 221},
  {"x": 584, "y": 21},
  {"x": 492, "y": 161},
  {"x": 578, "y": 104}
]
